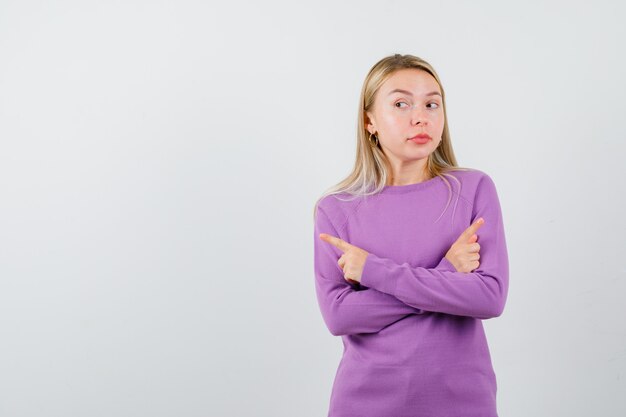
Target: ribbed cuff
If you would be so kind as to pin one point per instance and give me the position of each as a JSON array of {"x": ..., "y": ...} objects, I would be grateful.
[
  {"x": 376, "y": 275},
  {"x": 445, "y": 265}
]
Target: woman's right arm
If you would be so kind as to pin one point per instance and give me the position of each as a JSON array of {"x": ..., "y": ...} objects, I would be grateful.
[{"x": 344, "y": 309}]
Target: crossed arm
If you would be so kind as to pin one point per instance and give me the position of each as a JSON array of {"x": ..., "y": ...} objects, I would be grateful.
[
  {"x": 397, "y": 290},
  {"x": 345, "y": 308}
]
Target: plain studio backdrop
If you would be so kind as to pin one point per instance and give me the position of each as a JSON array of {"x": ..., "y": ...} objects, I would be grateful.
[{"x": 159, "y": 164}]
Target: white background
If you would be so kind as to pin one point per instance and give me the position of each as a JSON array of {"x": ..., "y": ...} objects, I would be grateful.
[{"x": 159, "y": 162}]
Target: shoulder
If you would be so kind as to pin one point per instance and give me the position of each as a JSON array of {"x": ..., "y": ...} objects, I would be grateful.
[
  {"x": 469, "y": 175},
  {"x": 471, "y": 181},
  {"x": 479, "y": 190},
  {"x": 337, "y": 207}
]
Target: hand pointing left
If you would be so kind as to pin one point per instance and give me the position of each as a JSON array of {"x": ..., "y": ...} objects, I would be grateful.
[{"x": 352, "y": 260}]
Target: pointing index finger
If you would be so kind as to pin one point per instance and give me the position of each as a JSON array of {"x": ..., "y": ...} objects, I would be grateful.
[
  {"x": 335, "y": 241},
  {"x": 473, "y": 227}
]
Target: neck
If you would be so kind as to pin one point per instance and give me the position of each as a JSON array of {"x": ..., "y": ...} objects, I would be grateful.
[{"x": 409, "y": 173}]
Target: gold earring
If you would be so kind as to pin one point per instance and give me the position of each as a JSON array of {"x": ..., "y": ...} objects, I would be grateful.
[{"x": 375, "y": 142}]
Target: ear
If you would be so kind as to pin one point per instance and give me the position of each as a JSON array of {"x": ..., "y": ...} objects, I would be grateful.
[{"x": 369, "y": 125}]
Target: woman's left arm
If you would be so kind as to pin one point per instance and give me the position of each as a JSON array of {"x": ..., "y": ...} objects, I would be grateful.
[{"x": 481, "y": 293}]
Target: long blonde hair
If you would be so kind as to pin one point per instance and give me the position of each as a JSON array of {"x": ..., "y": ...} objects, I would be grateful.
[{"x": 371, "y": 169}]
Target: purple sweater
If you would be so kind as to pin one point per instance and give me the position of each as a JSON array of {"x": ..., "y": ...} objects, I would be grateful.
[{"x": 414, "y": 343}]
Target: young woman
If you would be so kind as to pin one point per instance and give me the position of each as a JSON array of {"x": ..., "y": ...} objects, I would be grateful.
[{"x": 410, "y": 256}]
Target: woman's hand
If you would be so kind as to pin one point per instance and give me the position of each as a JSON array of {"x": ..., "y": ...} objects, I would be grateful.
[
  {"x": 353, "y": 259},
  {"x": 463, "y": 253}
]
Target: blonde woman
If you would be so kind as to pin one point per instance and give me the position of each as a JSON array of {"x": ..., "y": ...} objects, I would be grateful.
[{"x": 409, "y": 257}]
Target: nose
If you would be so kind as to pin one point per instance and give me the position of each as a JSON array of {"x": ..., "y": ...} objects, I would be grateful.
[{"x": 418, "y": 115}]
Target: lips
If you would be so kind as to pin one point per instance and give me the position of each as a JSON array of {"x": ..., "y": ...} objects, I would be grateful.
[
  {"x": 421, "y": 136},
  {"x": 420, "y": 139}
]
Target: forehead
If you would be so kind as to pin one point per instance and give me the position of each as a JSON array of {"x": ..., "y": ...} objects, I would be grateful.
[{"x": 417, "y": 81}]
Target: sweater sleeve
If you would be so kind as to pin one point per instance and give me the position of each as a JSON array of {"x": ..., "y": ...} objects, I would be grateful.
[
  {"x": 481, "y": 293},
  {"x": 347, "y": 309}
]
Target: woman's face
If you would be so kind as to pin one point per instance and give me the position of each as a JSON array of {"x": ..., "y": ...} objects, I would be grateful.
[{"x": 398, "y": 116}]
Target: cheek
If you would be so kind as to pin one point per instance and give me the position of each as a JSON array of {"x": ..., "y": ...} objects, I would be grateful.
[
  {"x": 438, "y": 121},
  {"x": 391, "y": 123}
]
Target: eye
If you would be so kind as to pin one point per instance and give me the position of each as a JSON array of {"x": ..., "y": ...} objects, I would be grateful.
[
  {"x": 436, "y": 104},
  {"x": 400, "y": 102}
]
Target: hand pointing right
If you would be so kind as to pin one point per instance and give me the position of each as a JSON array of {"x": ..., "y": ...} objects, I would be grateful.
[{"x": 463, "y": 253}]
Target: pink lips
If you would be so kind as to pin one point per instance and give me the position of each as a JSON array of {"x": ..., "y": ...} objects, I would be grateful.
[{"x": 421, "y": 138}]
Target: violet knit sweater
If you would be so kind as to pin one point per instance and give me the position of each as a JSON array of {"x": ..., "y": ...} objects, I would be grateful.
[{"x": 414, "y": 343}]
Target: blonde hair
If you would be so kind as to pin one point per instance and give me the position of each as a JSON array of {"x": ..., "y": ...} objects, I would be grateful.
[{"x": 371, "y": 168}]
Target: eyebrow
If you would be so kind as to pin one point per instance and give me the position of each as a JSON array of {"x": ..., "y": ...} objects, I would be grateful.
[{"x": 408, "y": 93}]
